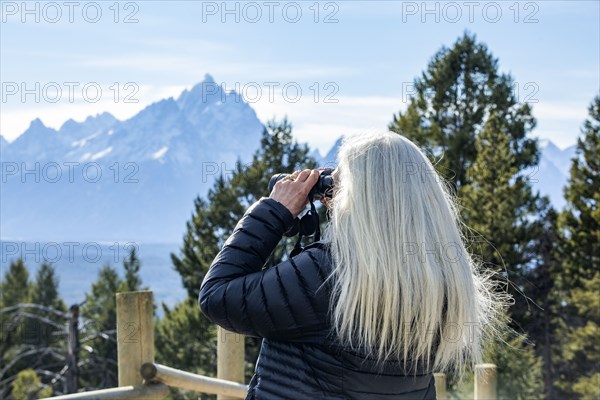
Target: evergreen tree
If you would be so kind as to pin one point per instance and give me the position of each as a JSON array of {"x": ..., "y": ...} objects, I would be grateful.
[
  {"x": 581, "y": 351},
  {"x": 100, "y": 313},
  {"x": 28, "y": 386},
  {"x": 15, "y": 286},
  {"x": 579, "y": 223},
  {"x": 452, "y": 100},
  {"x": 131, "y": 265},
  {"x": 49, "y": 321},
  {"x": 186, "y": 340},
  {"x": 278, "y": 152},
  {"x": 15, "y": 289},
  {"x": 45, "y": 289},
  {"x": 519, "y": 369},
  {"x": 34, "y": 325},
  {"x": 498, "y": 206},
  {"x": 581, "y": 220},
  {"x": 200, "y": 245},
  {"x": 544, "y": 322}
]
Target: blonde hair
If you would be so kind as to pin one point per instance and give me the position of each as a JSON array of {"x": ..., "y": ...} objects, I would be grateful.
[{"x": 400, "y": 260}]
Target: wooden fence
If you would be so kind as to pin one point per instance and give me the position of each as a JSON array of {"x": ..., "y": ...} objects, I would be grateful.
[{"x": 141, "y": 378}]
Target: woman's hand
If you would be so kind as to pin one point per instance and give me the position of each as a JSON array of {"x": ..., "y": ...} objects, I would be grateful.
[{"x": 292, "y": 192}]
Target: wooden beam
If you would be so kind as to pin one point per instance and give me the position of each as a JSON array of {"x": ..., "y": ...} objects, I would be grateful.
[
  {"x": 186, "y": 380},
  {"x": 154, "y": 391}
]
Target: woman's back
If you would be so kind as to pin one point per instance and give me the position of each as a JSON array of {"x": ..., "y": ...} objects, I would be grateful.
[
  {"x": 288, "y": 305},
  {"x": 292, "y": 370}
]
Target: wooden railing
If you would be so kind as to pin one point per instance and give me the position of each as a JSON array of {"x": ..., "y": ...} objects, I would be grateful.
[{"x": 141, "y": 378}]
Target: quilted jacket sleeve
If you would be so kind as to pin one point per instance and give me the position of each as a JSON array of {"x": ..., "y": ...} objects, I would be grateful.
[{"x": 280, "y": 302}]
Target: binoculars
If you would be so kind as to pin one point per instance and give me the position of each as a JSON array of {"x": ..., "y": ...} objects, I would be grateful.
[
  {"x": 323, "y": 187},
  {"x": 308, "y": 225}
]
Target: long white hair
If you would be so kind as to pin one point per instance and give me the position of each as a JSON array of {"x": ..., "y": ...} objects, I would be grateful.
[{"x": 404, "y": 284}]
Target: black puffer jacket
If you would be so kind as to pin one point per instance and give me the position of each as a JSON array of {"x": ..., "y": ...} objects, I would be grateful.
[{"x": 298, "y": 359}]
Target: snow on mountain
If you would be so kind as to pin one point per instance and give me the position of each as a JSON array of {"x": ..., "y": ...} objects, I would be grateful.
[
  {"x": 105, "y": 179},
  {"x": 72, "y": 131}
]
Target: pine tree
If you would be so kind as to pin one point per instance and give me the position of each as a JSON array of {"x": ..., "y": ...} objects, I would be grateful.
[
  {"x": 200, "y": 245},
  {"x": 45, "y": 290},
  {"x": 497, "y": 205},
  {"x": 581, "y": 220},
  {"x": 49, "y": 321},
  {"x": 579, "y": 223},
  {"x": 186, "y": 340},
  {"x": 35, "y": 320},
  {"x": 27, "y": 386},
  {"x": 15, "y": 289},
  {"x": 15, "y": 286},
  {"x": 581, "y": 350},
  {"x": 452, "y": 100},
  {"x": 544, "y": 322},
  {"x": 131, "y": 265},
  {"x": 100, "y": 314}
]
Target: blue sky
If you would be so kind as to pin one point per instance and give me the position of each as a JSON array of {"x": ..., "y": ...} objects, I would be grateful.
[{"x": 364, "y": 57}]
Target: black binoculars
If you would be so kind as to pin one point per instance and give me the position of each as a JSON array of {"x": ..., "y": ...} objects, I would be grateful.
[
  {"x": 323, "y": 187},
  {"x": 308, "y": 225}
]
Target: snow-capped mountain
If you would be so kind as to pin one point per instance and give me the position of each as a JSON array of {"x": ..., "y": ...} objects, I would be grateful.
[{"x": 104, "y": 179}]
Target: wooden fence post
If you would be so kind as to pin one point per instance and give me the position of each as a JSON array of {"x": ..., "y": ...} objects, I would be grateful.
[
  {"x": 72, "y": 375},
  {"x": 486, "y": 382},
  {"x": 440, "y": 386},
  {"x": 230, "y": 358},
  {"x": 135, "y": 335}
]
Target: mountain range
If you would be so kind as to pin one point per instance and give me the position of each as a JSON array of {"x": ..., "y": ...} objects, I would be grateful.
[{"x": 135, "y": 180}]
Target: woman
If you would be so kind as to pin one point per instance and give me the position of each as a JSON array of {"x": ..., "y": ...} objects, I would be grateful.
[{"x": 389, "y": 295}]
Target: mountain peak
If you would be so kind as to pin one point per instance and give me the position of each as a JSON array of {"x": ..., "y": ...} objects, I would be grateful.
[
  {"x": 105, "y": 116},
  {"x": 208, "y": 78},
  {"x": 548, "y": 144},
  {"x": 201, "y": 94},
  {"x": 101, "y": 120},
  {"x": 37, "y": 124}
]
